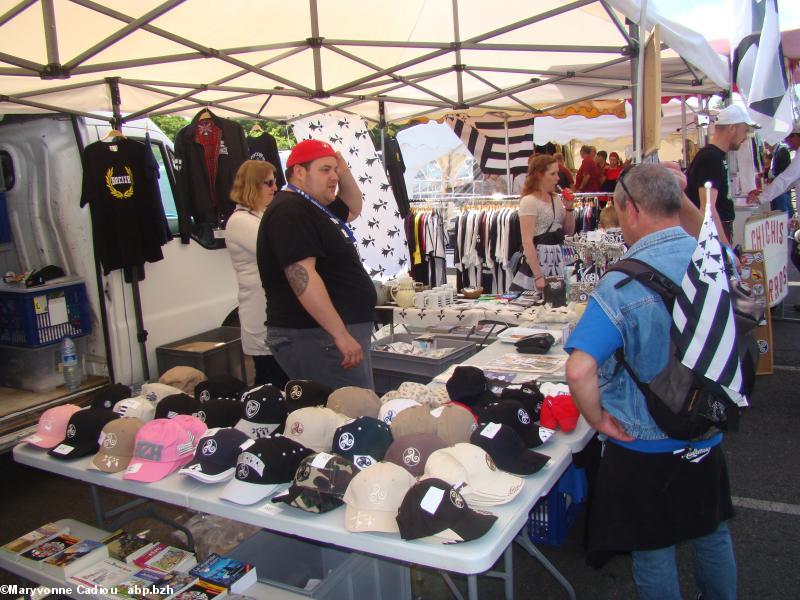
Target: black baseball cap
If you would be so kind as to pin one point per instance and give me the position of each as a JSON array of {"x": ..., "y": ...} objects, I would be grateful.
[
  {"x": 514, "y": 414},
  {"x": 216, "y": 454},
  {"x": 301, "y": 393},
  {"x": 528, "y": 393},
  {"x": 263, "y": 411},
  {"x": 364, "y": 440},
  {"x": 433, "y": 507},
  {"x": 108, "y": 395},
  {"x": 176, "y": 404},
  {"x": 83, "y": 433},
  {"x": 469, "y": 386},
  {"x": 262, "y": 466},
  {"x": 507, "y": 449},
  {"x": 219, "y": 412},
  {"x": 219, "y": 386}
]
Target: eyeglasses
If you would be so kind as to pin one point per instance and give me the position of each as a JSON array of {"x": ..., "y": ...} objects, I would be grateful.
[
  {"x": 269, "y": 182},
  {"x": 622, "y": 175}
]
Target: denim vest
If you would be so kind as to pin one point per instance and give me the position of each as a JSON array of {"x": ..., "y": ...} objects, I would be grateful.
[{"x": 644, "y": 324}]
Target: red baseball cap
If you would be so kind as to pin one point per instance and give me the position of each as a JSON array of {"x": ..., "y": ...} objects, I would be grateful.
[
  {"x": 309, "y": 150},
  {"x": 559, "y": 411}
]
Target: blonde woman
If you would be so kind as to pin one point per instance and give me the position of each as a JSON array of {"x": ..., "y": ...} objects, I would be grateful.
[
  {"x": 253, "y": 189},
  {"x": 544, "y": 219}
]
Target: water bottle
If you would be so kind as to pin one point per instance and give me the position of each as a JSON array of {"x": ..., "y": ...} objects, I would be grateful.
[{"x": 70, "y": 366}]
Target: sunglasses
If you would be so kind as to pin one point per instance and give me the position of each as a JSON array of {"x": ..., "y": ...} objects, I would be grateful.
[
  {"x": 622, "y": 175},
  {"x": 269, "y": 182}
]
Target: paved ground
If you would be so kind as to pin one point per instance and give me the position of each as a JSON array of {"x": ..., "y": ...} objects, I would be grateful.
[{"x": 762, "y": 457}]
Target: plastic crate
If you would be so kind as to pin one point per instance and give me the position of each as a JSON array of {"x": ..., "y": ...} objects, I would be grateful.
[
  {"x": 390, "y": 369},
  {"x": 321, "y": 571},
  {"x": 552, "y": 517},
  {"x": 36, "y": 369},
  {"x": 214, "y": 352},
  {"x": 36, "y": 317}
]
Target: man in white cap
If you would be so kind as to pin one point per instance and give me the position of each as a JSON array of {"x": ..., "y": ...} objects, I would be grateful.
[{"x": 711, "y": 164}]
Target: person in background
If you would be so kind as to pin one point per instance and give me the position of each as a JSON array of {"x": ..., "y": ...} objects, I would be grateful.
[
  {"x": 321, "y": 299},
  {"x": 588, "y": 176},
  {"x": 611, "y": 173},
  {"x": 253, "y": 189},
  {"x": 788, "y": 176},
  {"x": 651, "y": 492},
  {"x": 608, "y": 218},
  {"x": 544, "y": 219},
  {"x": 565, "y": 178}
]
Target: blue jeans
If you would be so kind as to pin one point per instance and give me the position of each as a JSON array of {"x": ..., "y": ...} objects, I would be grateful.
[
  {"x": 311, "y": 354},
  {"x": 656, "y": 574}
]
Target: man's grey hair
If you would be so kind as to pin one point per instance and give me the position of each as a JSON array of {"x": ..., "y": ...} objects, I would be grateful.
[{"x": 654, "y": 190}]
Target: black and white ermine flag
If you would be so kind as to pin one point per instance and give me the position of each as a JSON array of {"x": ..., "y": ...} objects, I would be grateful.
[
  {"x": 485, "y": 138},
  {"x": 704, "y": 331}
]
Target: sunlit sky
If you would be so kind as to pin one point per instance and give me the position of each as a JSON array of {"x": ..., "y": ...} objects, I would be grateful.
[{"x": 712, "y": 18}]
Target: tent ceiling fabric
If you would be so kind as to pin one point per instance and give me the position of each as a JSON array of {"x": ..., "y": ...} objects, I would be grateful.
[{"x": 421, "y": 57}]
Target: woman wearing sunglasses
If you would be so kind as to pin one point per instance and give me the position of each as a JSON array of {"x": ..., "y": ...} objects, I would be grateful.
[
  {"x": 544, "y": 219},
  {"x": 253, "y": 189}
]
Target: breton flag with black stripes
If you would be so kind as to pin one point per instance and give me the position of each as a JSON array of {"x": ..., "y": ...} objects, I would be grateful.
[
  {"x": 703, "y": 328},
  {"x": 485, "y": 138}
]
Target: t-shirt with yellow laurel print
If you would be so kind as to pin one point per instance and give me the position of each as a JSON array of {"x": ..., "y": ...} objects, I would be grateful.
[{"x": 123, "y": 198}]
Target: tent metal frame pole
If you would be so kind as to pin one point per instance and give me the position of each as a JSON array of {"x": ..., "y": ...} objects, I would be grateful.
[
  {"x": 582, "y": 99},
  {"x": 51, "y": 108},
  {"x": 508, "y": 157},
  {"x": 10, "y": 14},
  {"x": 498, "y": 88},
  {"x": 316, "y": 44},
  {"x": 684, "y": 137},
  {"x": 61, "y": 88},
  {"x": 398, "y": 100},
  {"x": 202, "y": 87},
  {"x": 50, "y": 32},
  {"x": 22, "y": 63},
  {"x": 543, "y": 48},
  {"x": 634, "y": 56},
  {"x": 617, "y": 23},
  {"x": 459, "y": 66}
]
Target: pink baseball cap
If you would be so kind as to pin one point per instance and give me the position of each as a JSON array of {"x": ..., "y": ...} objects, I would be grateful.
[
  {"x": 196, "y": 427},
  {"x": 52, "y": 427},
  {"x": 162, "y": 447}
]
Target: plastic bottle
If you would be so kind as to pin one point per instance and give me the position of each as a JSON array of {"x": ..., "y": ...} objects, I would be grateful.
[{"x": 70, "y": 365}]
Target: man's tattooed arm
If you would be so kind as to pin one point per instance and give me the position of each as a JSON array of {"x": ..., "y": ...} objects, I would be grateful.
[{"x": 298, "y": 278}]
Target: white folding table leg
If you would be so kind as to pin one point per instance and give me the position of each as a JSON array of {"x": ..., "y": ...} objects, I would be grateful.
[{"x": 523, "y": 540}]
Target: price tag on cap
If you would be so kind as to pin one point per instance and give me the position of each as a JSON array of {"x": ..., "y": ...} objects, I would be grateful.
[
  {"x": 490, "y": 430},
  {"x": 34, "y": 439},
  {"x": 134, "y": 468},
  {"x": 63, "y": 449},
  {"x": 545, "y": 433},
  {"x": 270, "y": 508},
  {"x": 433, "y": 498},
  {"x": 321, "y": 459},
  {"x": 246, "y": 444}
]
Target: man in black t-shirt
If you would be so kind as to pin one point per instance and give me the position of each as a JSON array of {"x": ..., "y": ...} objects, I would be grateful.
[
  {"x": 320, "y": 300},
  {"x": 710, "y": 164}
]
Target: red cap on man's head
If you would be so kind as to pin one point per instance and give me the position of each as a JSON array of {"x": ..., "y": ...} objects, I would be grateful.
[{"x": 309, "y": 150}]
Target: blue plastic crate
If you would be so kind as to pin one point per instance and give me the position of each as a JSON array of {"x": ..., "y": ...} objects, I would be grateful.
[
  {"x": 552, "y": 517},
  {"x": 26, "y": 314}
]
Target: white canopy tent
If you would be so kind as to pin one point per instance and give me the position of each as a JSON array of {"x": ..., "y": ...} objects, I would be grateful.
[{"x": 283, "y": 60}]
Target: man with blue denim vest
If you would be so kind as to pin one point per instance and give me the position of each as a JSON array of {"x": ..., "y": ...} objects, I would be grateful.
[{"x": 652, "y": 491}]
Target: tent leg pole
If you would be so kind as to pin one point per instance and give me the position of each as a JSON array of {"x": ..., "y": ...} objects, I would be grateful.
[
  {"x": 633, "y": 30},
  {"x": 508, "y": 158},
  {"x": 684, "y": 137}
]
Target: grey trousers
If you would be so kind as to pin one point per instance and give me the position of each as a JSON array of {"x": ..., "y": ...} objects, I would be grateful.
[{"x": 311, "y": 354}]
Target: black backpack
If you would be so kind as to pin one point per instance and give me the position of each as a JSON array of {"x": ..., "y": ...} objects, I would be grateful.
[{"x": 685, "y": 404}]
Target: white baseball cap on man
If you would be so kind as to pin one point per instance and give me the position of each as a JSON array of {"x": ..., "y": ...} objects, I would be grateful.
[{"x": 733, "y": 115}]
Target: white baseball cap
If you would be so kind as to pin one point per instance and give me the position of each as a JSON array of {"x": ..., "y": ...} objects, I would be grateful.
[
  {"x": 733, "y": 115},
  {"x": 139, "y": 407}
]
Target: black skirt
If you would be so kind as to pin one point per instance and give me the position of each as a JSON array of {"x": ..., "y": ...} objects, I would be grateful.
[{"x": 649, "y": 501}]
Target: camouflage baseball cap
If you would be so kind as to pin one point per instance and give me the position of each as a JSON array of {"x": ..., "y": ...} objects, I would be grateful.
[{"x": 320, "y": 482}]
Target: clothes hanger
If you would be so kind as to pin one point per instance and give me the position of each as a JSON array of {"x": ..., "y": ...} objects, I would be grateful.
[
  {"x": 204, "y": 115},
  {"x": 256, "y": 130},
  {"x": 113, "y": 133}
]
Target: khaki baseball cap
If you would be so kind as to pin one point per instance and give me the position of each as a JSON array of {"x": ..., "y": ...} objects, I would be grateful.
[
  {"x": 117, "y": 441},
  {"x": 156, "y": 392},
  {"x": 454, "y": 423},
  {"x": 468, "y": 465},
  {"x": 354, "y": 402},
  {"x": 373, "y": 497},
  {"x": 183, "y": 378},
  {"x": 313, "y": 427},
  {"x": 416, "y": 419}
]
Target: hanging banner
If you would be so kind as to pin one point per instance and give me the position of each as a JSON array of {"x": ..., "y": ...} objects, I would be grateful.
[
  {"x": 769, "y": 233},
  {"x": 753, "y": 274}
]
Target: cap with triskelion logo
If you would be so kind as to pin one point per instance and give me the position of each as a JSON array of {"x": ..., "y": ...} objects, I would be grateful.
[
  {"x": 313, "y": 427},
  {"x": 473, "y": 472},
  {"x": 219, "y": 412},
  {"x": 507, "y": 449},
  {"x": 177, "y": 404},
  {"x": 52, "y": 426},
  {"x": 304, "y": 392},
  {"x": 83, "y": 431},
  {"x": 216, "y": 454},
  {"x": 374, "y": 496},
  {"x": 364, "y": 440},
  {"x": 262, "y": 467},
  {"x": 354, "y": 402},
  {"x": 155, "y": 392},
  {"x": 263, "y": 411},
  {"x": 162, "y": 447},
  {"x": 220, "y": 386},
  {"x": 432, "y": 508},
  {"x": 108, "y": 395},
  {"x": 412, "y": 451},
  {"x": 320, "y": 483},
  {"x": 513, "y": 414},
  {"x": 391, "y": 408},
  {"x": 117, "y": 441}
]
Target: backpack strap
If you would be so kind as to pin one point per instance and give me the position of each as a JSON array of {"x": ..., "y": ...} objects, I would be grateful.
[{"x": 648, "y": 276}]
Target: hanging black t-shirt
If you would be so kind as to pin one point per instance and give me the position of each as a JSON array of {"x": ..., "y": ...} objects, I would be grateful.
[
  {"x": 711, "y": 164},
  {"x": 264, "y": 147},
  {"x": 293, "y": 229},
  {"x": 124, "y": 204}
]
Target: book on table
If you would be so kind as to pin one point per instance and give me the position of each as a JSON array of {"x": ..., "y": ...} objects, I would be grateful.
[
  {"x": 143, "y": 581},
  {"x": 230, "y": 573},
  {"x": 35, "y": 537},
  {"x": 48, "y": 548},
  {"x": 108, "y": 573},
  {"x": 202, "y": 590},
  {"x": 75, "y": 558},
  {"x": 122, "y": 544},
  {"x": 163, "y": 558},
  {"x": 149, "y": 584}
]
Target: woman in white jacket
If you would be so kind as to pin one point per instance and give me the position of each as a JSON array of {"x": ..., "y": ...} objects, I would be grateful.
[{"x": 253, "y": 189}]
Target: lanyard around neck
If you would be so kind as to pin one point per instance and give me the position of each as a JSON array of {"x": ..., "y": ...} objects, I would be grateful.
[{"x": 346, "y": 231}]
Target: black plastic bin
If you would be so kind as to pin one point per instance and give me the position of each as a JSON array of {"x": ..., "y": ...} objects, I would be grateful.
[{"x": 214, "y": 352}]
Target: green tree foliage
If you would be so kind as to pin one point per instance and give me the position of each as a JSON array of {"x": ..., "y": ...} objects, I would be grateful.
[
  {"x": 282, "y": 133},
  {"x": 170, "y": 124}
]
